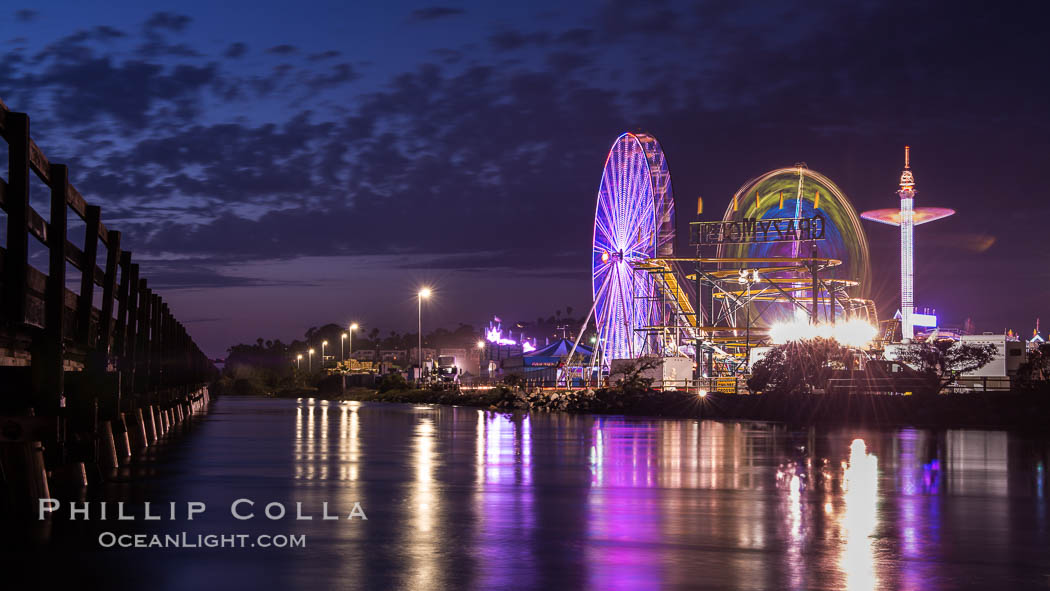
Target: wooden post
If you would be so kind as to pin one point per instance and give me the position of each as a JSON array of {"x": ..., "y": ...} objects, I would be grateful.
[
  {"x": 155, "y": 339},
  {"x": 16, "y": 201},
  {"x": 53, "y": 375},
  {"x": 113, "y": 256},
  {"x": 85, "y": 301},
  {"x": 161, "y": 345},
  {"x": 142, "y": 338},
  {"x": 129, "y": 351},
  {"x": 123, "y": 297}
]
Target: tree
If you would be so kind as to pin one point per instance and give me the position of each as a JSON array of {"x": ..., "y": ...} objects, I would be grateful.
[
  {"x": 1034, "y": 374},
  {"x": 799, "y": 366},
  {"x": 943, "y": 361},
  {"x": 634, "y": 375}
]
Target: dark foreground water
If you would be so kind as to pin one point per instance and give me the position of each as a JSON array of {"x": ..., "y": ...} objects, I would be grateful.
[{"x": 459, "y": 498}]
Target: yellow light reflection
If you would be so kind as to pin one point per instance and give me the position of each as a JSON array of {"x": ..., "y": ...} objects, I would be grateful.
[
  {"x": 858, "y": 519},
  {"x": 422, "y": 541}
]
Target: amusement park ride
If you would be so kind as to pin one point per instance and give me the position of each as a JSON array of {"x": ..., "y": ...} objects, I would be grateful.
[
  {"x": 788, "y": 252},
  {"x": 907, "y": 217}
]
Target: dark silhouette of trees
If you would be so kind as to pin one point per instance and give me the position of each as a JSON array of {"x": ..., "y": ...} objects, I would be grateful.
[
  {"x": 942, "y": 362},
  {"x": 799, "y": 366},
  {"x": 1034, "y": 374}
]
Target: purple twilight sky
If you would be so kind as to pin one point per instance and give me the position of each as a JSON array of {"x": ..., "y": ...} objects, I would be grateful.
[{"x": 278, "y": 165}]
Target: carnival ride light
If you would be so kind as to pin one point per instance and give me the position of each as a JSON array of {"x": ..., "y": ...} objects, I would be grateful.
[{"x": 852, "y": 333}]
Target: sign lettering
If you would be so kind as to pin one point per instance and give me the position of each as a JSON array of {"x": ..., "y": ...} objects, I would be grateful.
[{"x": 752, "y": 230}]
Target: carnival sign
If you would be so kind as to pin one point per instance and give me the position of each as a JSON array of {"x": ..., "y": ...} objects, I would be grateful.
[{"x": 753, "y": 230}]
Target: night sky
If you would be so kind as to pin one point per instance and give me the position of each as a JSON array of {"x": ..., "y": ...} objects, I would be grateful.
[{"x": 278, "y": 165}]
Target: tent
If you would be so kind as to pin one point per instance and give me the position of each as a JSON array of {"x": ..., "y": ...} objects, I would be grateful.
[{"x": 542, "y": 364}]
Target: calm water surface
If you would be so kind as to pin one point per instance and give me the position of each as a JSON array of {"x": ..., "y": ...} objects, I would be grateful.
[{"x": 460, "y": 498}]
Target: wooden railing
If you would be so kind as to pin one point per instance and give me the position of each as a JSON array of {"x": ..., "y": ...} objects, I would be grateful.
[{"x": 58, "y": 346}]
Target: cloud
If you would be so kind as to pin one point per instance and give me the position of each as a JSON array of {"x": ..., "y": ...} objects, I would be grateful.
[
  {"x": 511, "y": 152},
  {"x": 626, "y": 17},
  {"x": 26, "y": 15},
  {"x": 579, "y": 37},
  {"x": 448, "y": 56},
  {"x": 283, "y": 49},
  {"x": 167, "y": 21},
  {"x": 434, "y": 12},
  {"x": 510, "y": 40},
  {"x": 235, "y": 50},
  {"x": 565, "y": 61},
  {"x": 324, "y": 55},
  {"x": 335, "y": 76},
  {"x": 179, "y": 274}
]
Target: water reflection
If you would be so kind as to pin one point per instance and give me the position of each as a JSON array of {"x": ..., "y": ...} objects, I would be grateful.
[
  {"x": 860, "y": 484},
  {"x": 467, "y": 498}
]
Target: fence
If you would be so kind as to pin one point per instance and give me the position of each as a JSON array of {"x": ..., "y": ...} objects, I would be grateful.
[{"x": 66, "y": 354}]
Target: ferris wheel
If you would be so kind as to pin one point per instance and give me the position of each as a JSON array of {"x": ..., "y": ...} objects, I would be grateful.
[{"x": 633, "y": 222}]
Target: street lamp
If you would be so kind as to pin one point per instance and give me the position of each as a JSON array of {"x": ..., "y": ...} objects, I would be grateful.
[
  {"x": 310, "y": 361},
  {"x": 299, "y": 361},
  {"x": 350, "y": 344},
  {"x": 423, "y": 294},
  {"x": 323, "y": 345},
  {"x": 342, "y": 339},
  {"x": 481, "y": 344}
]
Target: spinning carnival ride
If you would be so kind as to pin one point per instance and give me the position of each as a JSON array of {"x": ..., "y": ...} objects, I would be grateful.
[
  {"x": 641, "y": 309},
  {"x": 784, "y": 286}
]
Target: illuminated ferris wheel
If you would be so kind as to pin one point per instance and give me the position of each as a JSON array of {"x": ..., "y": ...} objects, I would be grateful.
[{"x": 633, "y": 222}]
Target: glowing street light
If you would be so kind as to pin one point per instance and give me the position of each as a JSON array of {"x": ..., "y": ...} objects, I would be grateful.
[
  {"x": 323, "y": 345},
  {"x": 350, "y": 339},
  {"x": 481, "y": 344},
  {"x": 342, "y": 341},
  {"x": 423, "y": 294},
  {"x": 310, "y": 361},
  {"x": 299, "y": 361}
]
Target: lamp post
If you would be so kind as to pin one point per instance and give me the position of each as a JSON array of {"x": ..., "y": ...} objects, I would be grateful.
[
  {"x": 423, "y": 293},
  {"x": 350, "y": 339},
  {"x": 323, "y": 345},
  {"x": 299, "y": 361},
  {"x": 310, "y": 362},
  {"x": 342, "y": 339}
]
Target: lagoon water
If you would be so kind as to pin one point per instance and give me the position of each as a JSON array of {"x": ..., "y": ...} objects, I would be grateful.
[{"x": 462, "y": 498}]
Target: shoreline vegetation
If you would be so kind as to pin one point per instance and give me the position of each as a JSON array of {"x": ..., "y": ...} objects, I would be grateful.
[
  {"x": 998, "y": 410},
  {"x": 786, "y": 377}
]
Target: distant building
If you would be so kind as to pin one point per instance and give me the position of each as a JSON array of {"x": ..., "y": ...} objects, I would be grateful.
[
  {"x": 453, "y": 352},
  {"x": 395, "y": 356},
  {"x": 1037, "y": 339},
  {"x": 429, "y": 354}
]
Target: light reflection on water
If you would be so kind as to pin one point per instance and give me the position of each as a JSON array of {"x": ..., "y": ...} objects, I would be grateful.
[
  {"x": 662, "y": 502},
  {"x": 467, "y": 498}
]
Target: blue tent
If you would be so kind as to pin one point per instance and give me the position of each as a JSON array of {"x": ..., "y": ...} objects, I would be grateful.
[{"x": 542, "y": 364}]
